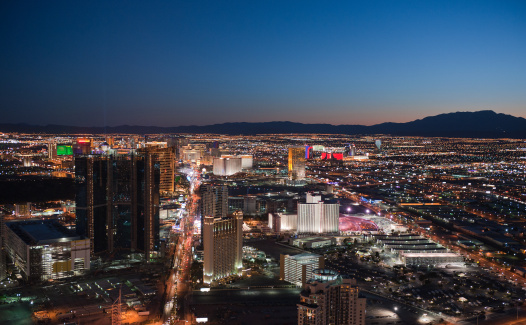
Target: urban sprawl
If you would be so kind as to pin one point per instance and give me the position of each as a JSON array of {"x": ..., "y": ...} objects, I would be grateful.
[{"x": 271, "y": 229}]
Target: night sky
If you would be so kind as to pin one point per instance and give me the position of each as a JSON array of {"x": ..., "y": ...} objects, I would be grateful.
[{"x": 171, "y": 63}]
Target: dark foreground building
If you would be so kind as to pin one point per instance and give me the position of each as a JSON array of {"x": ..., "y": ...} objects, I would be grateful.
[{"x": 117, "y": 202}]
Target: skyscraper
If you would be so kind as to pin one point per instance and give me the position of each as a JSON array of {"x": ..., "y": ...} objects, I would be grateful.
[
  {"x": 223, "y": 246},
  {"x": 117, "y": 202},
  {"x": 227, "y": 166},
  {"x": 167, "y": 166},
  {"x": 296, "y": 163},
  {"x": 214, "y": 202},
  {"x": 52, "y": 150},
  {"x": 329, "y": 299},
  {"x": 315, "y": 216}
]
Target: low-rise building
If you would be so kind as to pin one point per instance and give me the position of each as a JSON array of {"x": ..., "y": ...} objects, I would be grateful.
[
  {"x": 312, "y": 242},
  {"x": 297, "y": 269},
  {"x": 44, "y": 249},
  {"x": 430, "y": 259}
]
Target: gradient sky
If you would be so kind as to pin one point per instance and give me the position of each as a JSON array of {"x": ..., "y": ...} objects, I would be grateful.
[{"x": 170, "y": 63}]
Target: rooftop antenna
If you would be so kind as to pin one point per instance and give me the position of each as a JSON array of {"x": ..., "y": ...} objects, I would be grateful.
[{"x": 116, "y": 315}]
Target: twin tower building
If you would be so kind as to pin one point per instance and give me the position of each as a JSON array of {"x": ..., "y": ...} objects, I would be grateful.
[{"x": 117, "y": 202}]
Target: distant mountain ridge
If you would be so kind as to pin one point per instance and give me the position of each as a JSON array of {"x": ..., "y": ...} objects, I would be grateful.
[{"x": 480, "y": 124}]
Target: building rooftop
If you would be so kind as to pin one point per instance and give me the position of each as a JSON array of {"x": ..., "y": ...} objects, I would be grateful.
[
  {"x": 40, "y": 232},
  {"x": 431, "y": 255},
  {"x": 304, "y": 257}
]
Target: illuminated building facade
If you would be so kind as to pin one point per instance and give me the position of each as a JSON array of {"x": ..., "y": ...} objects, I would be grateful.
[
  {"x": 82, "y": 147},
  {"x": 213, "y": 203},
  {"x": 192, "y": 152},
  {"x": 44, "y": 250},
  {"x": 223, "y": 246},
  {"x": 352, "y": 150},
  {"x": 308, "y": 152},
  {"x": 247, "y": 161},
  {"x": 166, "y": 156},
  {"x": 227, "y": 166},
  {"x": 315, "y": 216},
  {"x": 167, "y": 166},
  {"x": 297, "y": 269},
  {"x": 52, "y": 150},
  {"x": 296, "y": 163},
  {"x": 329, "y": 299},
  {"x": 117, "y": 202},
  {"x": 279, "y": 222},
  {"x": 23, "y": 209}
]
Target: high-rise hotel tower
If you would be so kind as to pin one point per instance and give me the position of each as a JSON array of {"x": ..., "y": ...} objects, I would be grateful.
[
  {"x": 223, "y": 246},
  {"x": 296, "y": 163},
  {"x": 117, "y": 202}
]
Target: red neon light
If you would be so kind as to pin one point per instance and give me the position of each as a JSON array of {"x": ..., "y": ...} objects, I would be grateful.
[{"x": 83, "y": 140}]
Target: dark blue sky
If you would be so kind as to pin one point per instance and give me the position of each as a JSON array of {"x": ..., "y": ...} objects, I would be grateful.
[{"x": 171, "y": 63}]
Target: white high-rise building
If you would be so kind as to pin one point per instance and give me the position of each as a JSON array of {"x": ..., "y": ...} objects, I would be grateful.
[
  {"x": 227, "y": 166},
  {"x": 247, "y": 161},
  {"x": 279, "y": 222},
  {"x": 223, "y": 247},
  {"x": 315, "y": 216}
]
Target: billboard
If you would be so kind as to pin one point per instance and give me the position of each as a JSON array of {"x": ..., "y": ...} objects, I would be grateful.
[{"x": 64, "y": 150}]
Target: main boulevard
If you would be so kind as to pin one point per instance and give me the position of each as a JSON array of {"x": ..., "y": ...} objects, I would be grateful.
[{"x": 176, "y": 309}]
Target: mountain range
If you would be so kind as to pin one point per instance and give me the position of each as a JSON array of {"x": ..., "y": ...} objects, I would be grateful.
[{"x": 480, "y": 124}]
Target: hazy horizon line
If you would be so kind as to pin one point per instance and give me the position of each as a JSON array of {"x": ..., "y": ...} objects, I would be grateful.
[{"x": 270, "y": 121}]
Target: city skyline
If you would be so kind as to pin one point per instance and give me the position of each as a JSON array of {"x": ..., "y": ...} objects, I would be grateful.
[
  {"x": 103, "y": 64},
  {"x": 361, "y": 229}
]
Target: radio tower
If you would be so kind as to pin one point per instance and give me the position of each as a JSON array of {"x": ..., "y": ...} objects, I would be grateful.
[{"x": 116, "y": 311}]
